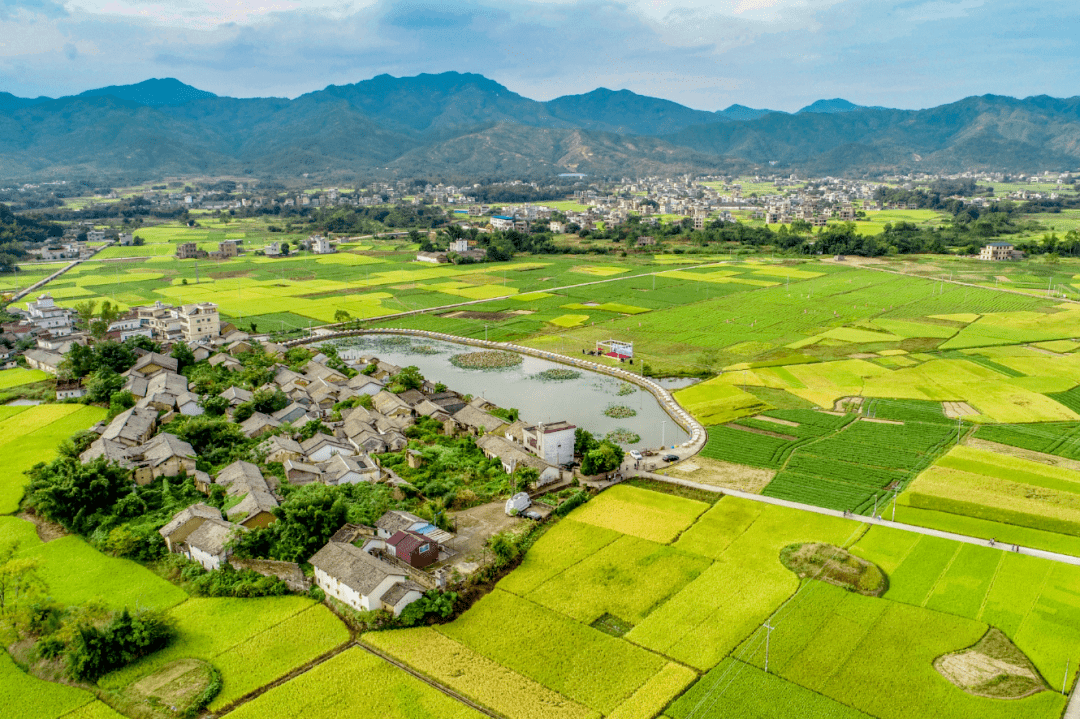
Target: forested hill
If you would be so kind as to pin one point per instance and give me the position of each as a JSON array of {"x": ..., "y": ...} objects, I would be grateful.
[{"x": 456, "y": 125}]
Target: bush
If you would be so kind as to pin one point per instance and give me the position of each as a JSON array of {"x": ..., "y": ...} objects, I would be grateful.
[
  {"x": 206, "y": 696},
  {"x": 95, "y": 652},
  {"x": 572, "y": 502}
]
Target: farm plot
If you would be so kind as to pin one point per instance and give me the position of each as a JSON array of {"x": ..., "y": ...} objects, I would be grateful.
[
  {"x": 736, "y": 689},
  {"x": 77, "y": 573},
  {"x": 18, "y": 377},
  {"x": 25, "y": 697},
  {"x": 859, "y": 465},
  {"x": 626, "y": 579},
  {"x": 714, "y": 402},
  {"x": 1060, "y": 438},
  {"x": 1032, "y": 600},
  {"x": 561, "y": 547},
  {"x": 861, "y": 639},
  {"x": 541, "y": 634},
  {"x": 701, "y": 624},
  {"x": 731, "y": 444},
  {"x": 641, "y": 513},
  {"x": 996, "y": 487},
  {"x": 475, "y": 676},
  {"x": 362, "y": 685},
  {"x": 32, "y": 436},
  {"x": 251, "y": 641}
]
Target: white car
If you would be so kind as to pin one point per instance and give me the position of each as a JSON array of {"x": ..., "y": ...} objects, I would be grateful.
[{"x": 636, "y": 455}]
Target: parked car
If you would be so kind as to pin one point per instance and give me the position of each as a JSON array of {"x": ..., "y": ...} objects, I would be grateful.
[
  {"x": 636, "y": 455},
  {"x": 671, "y": 458},
  {"x": 532, "y": 515}
]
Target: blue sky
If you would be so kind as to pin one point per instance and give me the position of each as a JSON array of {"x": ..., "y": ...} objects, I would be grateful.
[{"x": 708, "y": 54}]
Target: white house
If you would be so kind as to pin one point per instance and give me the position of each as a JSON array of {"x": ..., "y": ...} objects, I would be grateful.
[
  {"x": 553, "y": 443},
  {"x": 358, "y": 579},
  {"x": 206, "y": 545}
]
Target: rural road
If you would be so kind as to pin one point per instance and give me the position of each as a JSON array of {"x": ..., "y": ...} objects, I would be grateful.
[{"x": 1052, "y": 556}]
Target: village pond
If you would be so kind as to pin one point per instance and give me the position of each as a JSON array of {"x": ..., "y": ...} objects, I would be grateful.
[{"x": 581, "y": 400}]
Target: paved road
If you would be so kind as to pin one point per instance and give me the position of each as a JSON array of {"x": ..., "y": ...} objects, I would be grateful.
[{"x": 1052, "y": 556}]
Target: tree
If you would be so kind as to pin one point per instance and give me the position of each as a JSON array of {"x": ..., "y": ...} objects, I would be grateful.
[
  {"x": 526, "y": 477},
  {"x": 184, "y": 357},
  {"x": 583, "y": 442},
  {"x": 102, "y": 384},
  {"x": 607, "y": 457},
  {"x": 408, "y": 378},
  {"x": 86, "y": 311},
  {"x": 284, "y": 249},
  {"x": 342, "y": 316},
  {"x": 95, "y": 652}
]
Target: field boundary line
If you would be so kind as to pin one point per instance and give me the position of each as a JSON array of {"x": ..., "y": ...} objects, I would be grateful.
[
  {"x": 1038, "y": 596},
  {"x": 944, "y": 571},
  {"x": 990, "y": 588},
  {"x": 439, "y": 686},
  {"x": 566, "y": 569},
  {"x": 293, "y": 674}
]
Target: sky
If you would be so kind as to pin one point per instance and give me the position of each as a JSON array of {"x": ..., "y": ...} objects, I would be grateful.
[{"x": 707, "y": 54}]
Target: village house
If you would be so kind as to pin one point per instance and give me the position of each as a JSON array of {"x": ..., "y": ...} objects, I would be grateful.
[
  {"x": 70, "y": 389},
  {"x": 184, "y": 523},
  {"x": 43, "y": 360},
  {"x": 998, "y": 251},
  {"x": 165, "y": 455},
  {"x": 365, "y": 583},
  {"x": 132, "y": 427},
  {"x": 300, "y": 473},
  {"x": 321, "y": 447},
  {"x": 152, "y": 363},
  {"x": 414, "y": 549},
  {"x": 341, "y": 469},
  {"x": 281, "y": 449},
  {"x": 552, "y": 442}
]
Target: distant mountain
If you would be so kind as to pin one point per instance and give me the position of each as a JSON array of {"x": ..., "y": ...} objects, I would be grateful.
[
  {"x": 154, "y": 92},
  {"x": 625, "y": 112},
  {"x": 463, "y": 125},
  {"x": 741, "y": 113},
  {"x": 989, "y": 132}
]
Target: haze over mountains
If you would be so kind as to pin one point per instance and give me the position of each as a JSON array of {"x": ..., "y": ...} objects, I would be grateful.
[{"x": 464, "y": 125}]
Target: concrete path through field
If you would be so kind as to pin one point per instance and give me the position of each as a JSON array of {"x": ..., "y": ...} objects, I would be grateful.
[{"x": 1074, "y": 712}]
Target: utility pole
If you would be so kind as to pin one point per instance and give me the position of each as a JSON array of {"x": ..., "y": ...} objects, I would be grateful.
[
  {"x": 959, "y": 425},
  {"x": 663, "y": 433},
  {"x": 769, "y": 627},
  {"x": 1065, "y": 679},
  {"x": 896, "y": 494}
]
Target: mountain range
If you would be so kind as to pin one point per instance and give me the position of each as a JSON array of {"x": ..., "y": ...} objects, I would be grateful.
[{"x": 468, "y": 126}]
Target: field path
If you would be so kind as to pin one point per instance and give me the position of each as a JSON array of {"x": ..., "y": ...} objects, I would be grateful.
[{"x": 1043, "y": 554}]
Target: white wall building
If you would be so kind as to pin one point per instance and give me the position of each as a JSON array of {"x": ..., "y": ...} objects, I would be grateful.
[{"x": 554, "y": 443}]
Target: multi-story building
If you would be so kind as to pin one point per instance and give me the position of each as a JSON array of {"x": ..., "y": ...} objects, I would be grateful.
[
  {"x": 191, "y": 323},
  {"x": 996, "y": 251},
  {"x": 199, "y": 321},
  {"x": 45, "y": 315},
  {"x": 554, "y": 442},
  {"x": 189, "y": 251}
]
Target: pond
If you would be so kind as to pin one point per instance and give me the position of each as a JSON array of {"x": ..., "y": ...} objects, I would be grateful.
[{"x": 581, "y": 401}]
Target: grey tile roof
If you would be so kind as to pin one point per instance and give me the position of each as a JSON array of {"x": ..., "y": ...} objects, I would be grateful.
[
  {"x": 353, "y": 567},
  {"x": 212, "y": 536},
  {"x": 241, "y": 477},
  {"x": 397, "y": 592},
  {"x": 396, "y": 521},
  {"x": 252, "y": 504},
  {"x": 195, "y": 511}
]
